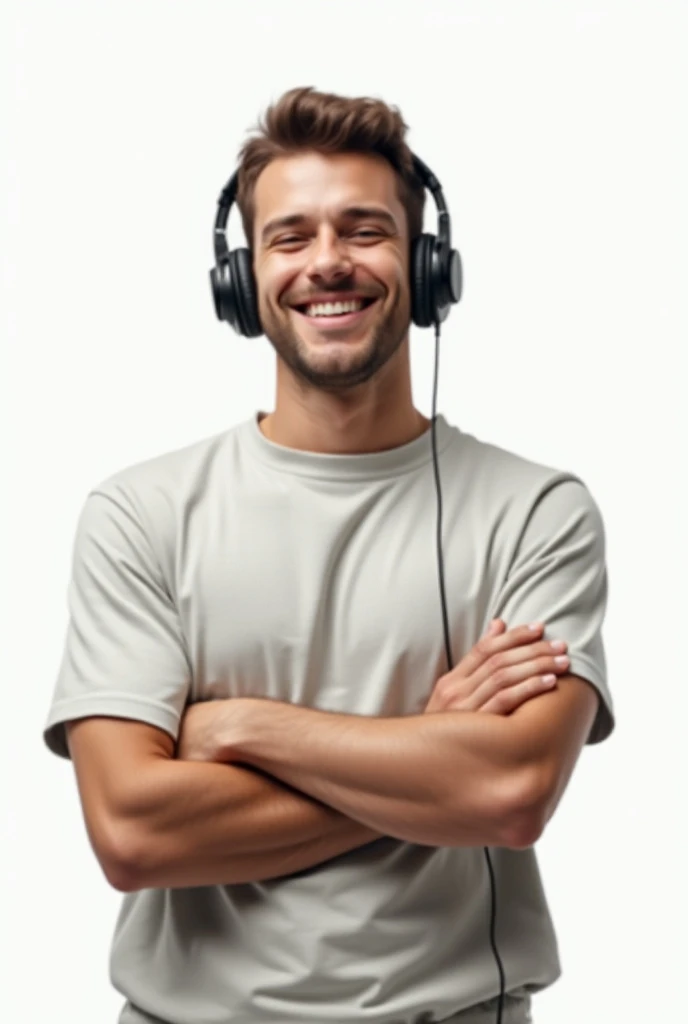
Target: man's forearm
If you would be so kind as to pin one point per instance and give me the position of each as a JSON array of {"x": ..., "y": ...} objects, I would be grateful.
[
  {"x": 194, "y": 824},
  {"x": 443, "y": 780}
]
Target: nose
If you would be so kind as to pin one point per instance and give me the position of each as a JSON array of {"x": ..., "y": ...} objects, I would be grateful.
[{"x": 329, "y": 258}]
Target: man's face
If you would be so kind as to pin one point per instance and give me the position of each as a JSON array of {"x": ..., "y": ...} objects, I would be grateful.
[{"x": 331, "y": 229}]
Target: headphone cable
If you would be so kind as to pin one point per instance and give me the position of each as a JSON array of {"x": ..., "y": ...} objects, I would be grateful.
[{"x": 450, "y": 662}]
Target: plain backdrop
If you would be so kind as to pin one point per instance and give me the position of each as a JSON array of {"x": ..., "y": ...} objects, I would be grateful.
[{"x": 558, "y": 133}]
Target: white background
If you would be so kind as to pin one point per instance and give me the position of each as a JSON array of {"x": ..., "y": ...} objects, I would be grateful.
[{"x": 558, "y": 133}]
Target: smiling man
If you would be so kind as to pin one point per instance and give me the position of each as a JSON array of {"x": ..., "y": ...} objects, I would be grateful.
[{"x": 275, "y": 766}]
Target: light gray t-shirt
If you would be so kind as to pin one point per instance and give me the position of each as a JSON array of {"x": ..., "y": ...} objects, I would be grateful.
[{"x": 236, "y": 567}]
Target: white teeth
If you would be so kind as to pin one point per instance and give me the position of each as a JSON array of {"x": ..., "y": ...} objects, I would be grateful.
[{"x": 334, "y": 308}]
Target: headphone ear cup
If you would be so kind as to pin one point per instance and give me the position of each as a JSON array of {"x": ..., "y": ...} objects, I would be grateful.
[
  {"x": 223, "y": 295},
  {"x": 421, "y": 280},
  {"x": 241, "y": 269}
]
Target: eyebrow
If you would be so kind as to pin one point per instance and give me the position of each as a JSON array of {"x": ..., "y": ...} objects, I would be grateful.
[{"x": 350, "y": 213}]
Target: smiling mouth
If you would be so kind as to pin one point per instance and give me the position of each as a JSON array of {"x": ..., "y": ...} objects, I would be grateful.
[
  {"x": 333, "y": 316},
  {"x": 364, "y": 303}
]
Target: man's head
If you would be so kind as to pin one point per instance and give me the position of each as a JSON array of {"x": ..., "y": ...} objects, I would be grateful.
[{"x": 330, "y": 205}]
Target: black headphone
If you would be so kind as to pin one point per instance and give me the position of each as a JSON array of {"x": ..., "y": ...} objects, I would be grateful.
[{"x": 436, "y": 274}]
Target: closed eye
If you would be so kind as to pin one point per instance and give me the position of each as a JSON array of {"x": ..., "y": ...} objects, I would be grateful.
[{"x": 297, "y": 239}]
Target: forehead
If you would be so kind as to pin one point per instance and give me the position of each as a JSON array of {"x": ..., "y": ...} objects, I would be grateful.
[{"x": 319, "y": 185}]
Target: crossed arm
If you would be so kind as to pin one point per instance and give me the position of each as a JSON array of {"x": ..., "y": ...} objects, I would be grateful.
[{"x": 304, "y": 786}]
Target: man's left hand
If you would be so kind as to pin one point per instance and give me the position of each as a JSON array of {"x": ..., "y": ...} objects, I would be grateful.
[{"x": 209, "y": 728}]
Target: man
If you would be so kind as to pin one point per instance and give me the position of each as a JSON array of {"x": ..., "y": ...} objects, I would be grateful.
[{"x": 275, "y": 765}]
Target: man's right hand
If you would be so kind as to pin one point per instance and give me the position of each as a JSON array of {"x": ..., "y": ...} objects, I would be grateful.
[{"x": 501, "y": 672}]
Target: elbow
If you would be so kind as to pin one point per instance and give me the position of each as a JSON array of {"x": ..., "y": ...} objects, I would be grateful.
[
  {"x": 121, "y": 877},
  {"x": 122, "y": 859},
  {"x": 528, "y": 813},
  {"x": 523, "y": 831},
  {"x": 507, "y": 813}
]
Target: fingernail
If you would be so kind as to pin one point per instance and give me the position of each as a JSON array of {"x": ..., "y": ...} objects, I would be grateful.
[{"x": 534, "y": 626}]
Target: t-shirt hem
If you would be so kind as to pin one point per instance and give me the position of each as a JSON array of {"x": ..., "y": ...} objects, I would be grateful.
[{"x": 604, "y": 722}]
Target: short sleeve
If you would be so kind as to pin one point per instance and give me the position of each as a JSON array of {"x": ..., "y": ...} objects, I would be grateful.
[
  {"x": 558, "y": 575},
  {"x": 124, "y": 653}
]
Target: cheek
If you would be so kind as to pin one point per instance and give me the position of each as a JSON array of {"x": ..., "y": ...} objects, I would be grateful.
[
  {"x": 276, "y": 282},
  {"x": 268, "y": 296},
  {"x": 392, "y": 271}
]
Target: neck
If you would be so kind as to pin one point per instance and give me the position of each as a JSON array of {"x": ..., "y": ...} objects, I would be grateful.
[{"x": 343, "y": 432}]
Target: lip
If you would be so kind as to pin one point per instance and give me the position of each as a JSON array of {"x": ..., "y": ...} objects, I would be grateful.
[{"x": 335, "y": 324}]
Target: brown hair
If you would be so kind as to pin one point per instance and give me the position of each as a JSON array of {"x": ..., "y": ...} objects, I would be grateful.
[{"x": 303, "y": 119}]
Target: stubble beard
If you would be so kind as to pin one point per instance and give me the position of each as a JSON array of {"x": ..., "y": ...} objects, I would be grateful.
[{"x": 345, "y": 369}]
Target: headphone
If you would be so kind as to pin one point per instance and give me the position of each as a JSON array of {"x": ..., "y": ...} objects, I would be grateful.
[
  {"x": 436, "y": 274},
  {"x": 436, "y": 283}
]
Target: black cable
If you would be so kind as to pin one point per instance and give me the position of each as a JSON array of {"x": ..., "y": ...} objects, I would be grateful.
[{"x": 450, "y": 662}]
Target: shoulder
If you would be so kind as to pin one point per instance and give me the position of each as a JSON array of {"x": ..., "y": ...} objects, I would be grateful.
[
  {"x": 509, "y": 480},
  {"x": 147, "y": 507},
  {"x": 170, "y": 482}
]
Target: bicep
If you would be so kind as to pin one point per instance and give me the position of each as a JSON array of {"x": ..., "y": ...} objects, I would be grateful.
[
  {"x": 125, "y": 652},
  {"x": 558, "y": 575},
  {"x": 548, "y": 734},
  {"x": 110, "y": 757}
]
